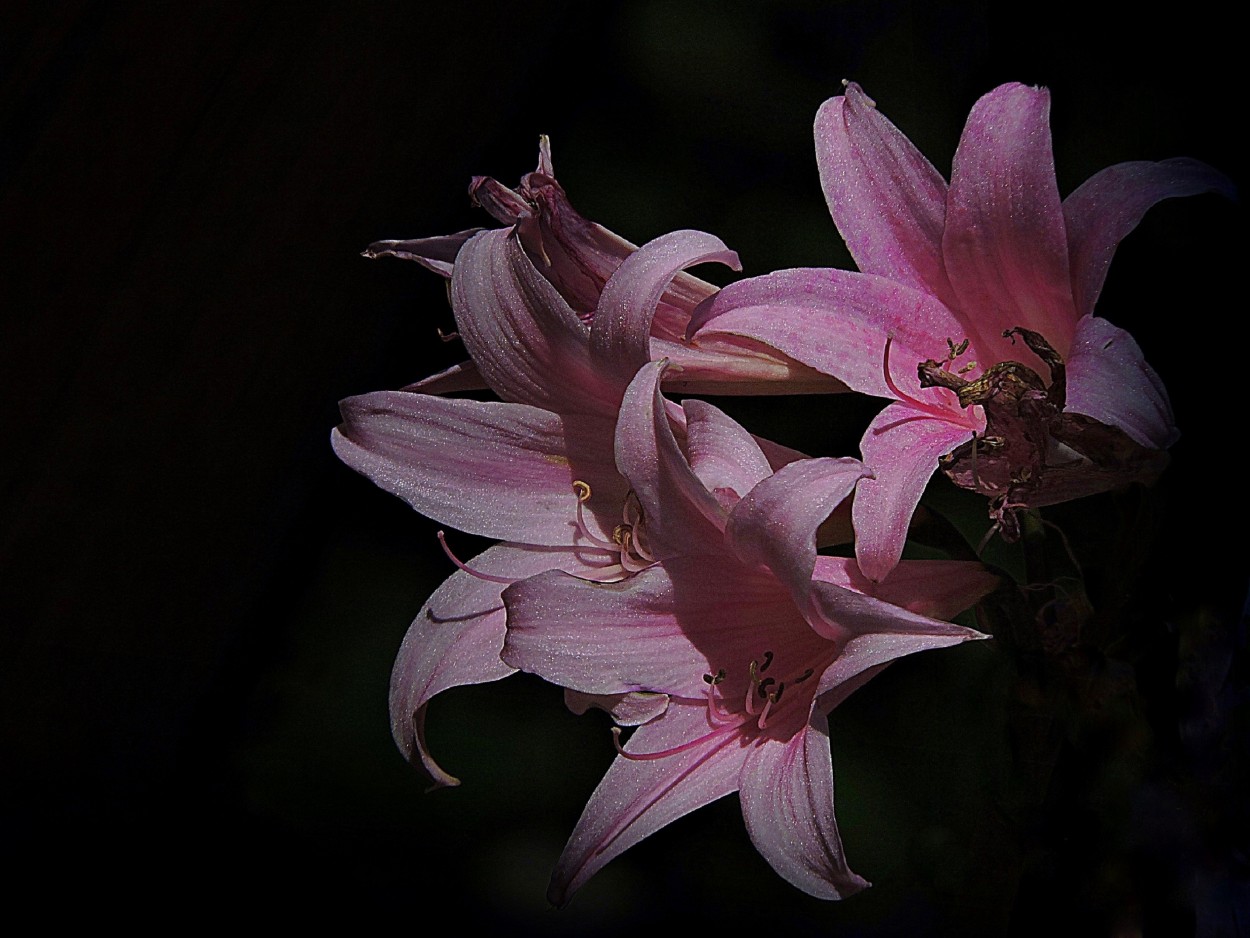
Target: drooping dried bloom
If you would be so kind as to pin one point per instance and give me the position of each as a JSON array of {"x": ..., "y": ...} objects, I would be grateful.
[{"x": 950, "y": 276}]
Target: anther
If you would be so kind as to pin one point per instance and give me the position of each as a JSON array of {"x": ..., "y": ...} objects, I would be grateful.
[
  {"x": 581, "y": 490},
  {"x": 803, "y": 677},
  {"x": 764, "y": 685},
  {"x": 714, "y": 679},
  {"x": 768, "y": 659}
]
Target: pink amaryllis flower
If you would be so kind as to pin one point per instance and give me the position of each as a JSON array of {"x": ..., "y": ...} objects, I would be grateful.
[
  {"x": 973, "y": 311},
  {"x": 751, "y": 637},
  {"x": 536, "y": 471},
  {"x": 549, "y": 255}
]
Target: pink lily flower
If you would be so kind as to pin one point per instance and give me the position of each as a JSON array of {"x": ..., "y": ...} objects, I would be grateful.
[
  {"x": 750, "y": 637},
  {"x": 548, "y": 255},
  {"x": 951, "y": 275},
  {"x": 536, "y": 472}
]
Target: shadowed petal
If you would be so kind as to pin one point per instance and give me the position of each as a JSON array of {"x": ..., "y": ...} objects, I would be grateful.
[
  {"x": 499, "y": 470},
  {"x": 902, "y": 445},
  {"x": 1109, "y": 380},
  {"x": 1109, "y": 204},
  {"x": 938, "y": 588},
  {"x": 1005, "y": 243},
  {"x": 456, "y": 640},
  {"x": 637, "y": 798},
  {"x": 787, "y": 803},
  {"x": 887, "y": 200}
]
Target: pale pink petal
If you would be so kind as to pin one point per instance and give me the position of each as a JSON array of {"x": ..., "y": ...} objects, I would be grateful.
[
  {"x": 1109, "y": 204},
  {"x": 620, "y": 337},
  {"x": 775, "y": 524},
  {"x": 528, "y": 344},
  {"x": 632, "y": 709},
  {"x": 658, "y": 631},
  {"x": 887, "y": 200},
  {"x": 1109, "y": 380},
  {"x": 681, "y": 515},
  {"x": 938, "y": 588},
  {"x": 499, "y": 470},
  {"x": 456, "y": 640},
  {"x": 786, "y": 791},
  {"x": 437, "y": 254},
  {"x": 637, "y": 798},
  {"x": 836, "y": 322},
  {"x": 1005, "y": 244},
  {"x": 727, "y": 459},
  {"x": 901, "y": 447}
]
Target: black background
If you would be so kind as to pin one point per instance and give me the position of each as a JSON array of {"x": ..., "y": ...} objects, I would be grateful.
[{"x": 200, "y": 605}]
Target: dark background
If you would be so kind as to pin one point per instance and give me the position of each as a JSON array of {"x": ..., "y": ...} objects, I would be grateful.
[{"x": 199, "y": 605}]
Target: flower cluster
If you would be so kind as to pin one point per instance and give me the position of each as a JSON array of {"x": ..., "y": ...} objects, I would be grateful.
[{"x": 658, "y": 560}]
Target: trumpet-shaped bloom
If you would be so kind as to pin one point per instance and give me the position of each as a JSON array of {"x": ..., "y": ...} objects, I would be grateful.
[
  {"x": 526, "y": 289},
  {"x": 751, "y": 636},
  {"x": 536, "y": 472},
  {"x": 950, "y": 276}
]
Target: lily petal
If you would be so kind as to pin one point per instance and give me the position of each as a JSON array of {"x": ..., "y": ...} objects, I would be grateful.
[
  {"x": 887, "y": 200},
  {"x": 437, "y": 254},
  {"x": 529, "y": 345},
  {"x": 500, "y": 470},
  {"x": 775, "y": 524},
  {"x": 1109, "y": 204},
  {"x": 937, "y": 588},
  {"x": 637, "y": 798},
  {"x": 456, "y": 640},
  {"x": 1109, "y": 380},
  {"x": 681, "y": 515},
  {"x": 620, "y": 338},
  {"x": 632, "y": 709},
  {"x": 659, "y": 631},
  {"x": 835, "y": 321},
  {"x": 787, "y": 803},
  {"x": 725, "y": 457},
  {"x": 1005, "y": 243},
  {"x": 902, "y": 445}
]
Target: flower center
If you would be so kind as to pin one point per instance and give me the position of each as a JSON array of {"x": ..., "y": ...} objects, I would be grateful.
[{"x": 732, "y": 715}]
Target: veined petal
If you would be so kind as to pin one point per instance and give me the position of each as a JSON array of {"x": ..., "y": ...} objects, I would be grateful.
[
  {"x": 1005, "y": 243},
  {"x": 456, "y": 640},
  {"x": 787, "y": 803},
  {"x": 775, "y": 524},
  {"x": 835, "y": 321},
  {"x": 722, "y": 363},
  {"x": 529, "y": 345},
  {"x": 726, "y": 458},
  {"x": 1109, "y": 380},
  {"x": 495, "y": 469},
  {"x": 620, "y": 338},
  {"x": 938, "y": 588},
  {"x": 636, "y": 798},
  {"x": 437, "y": 254},
  {"x": 658, "y": 631},
  {"x": 680, "y": 514},
  {"x": 887, "y": 200},
  {"x": 901, "y": 447},
  {"x": 1109, "y": 204}
]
